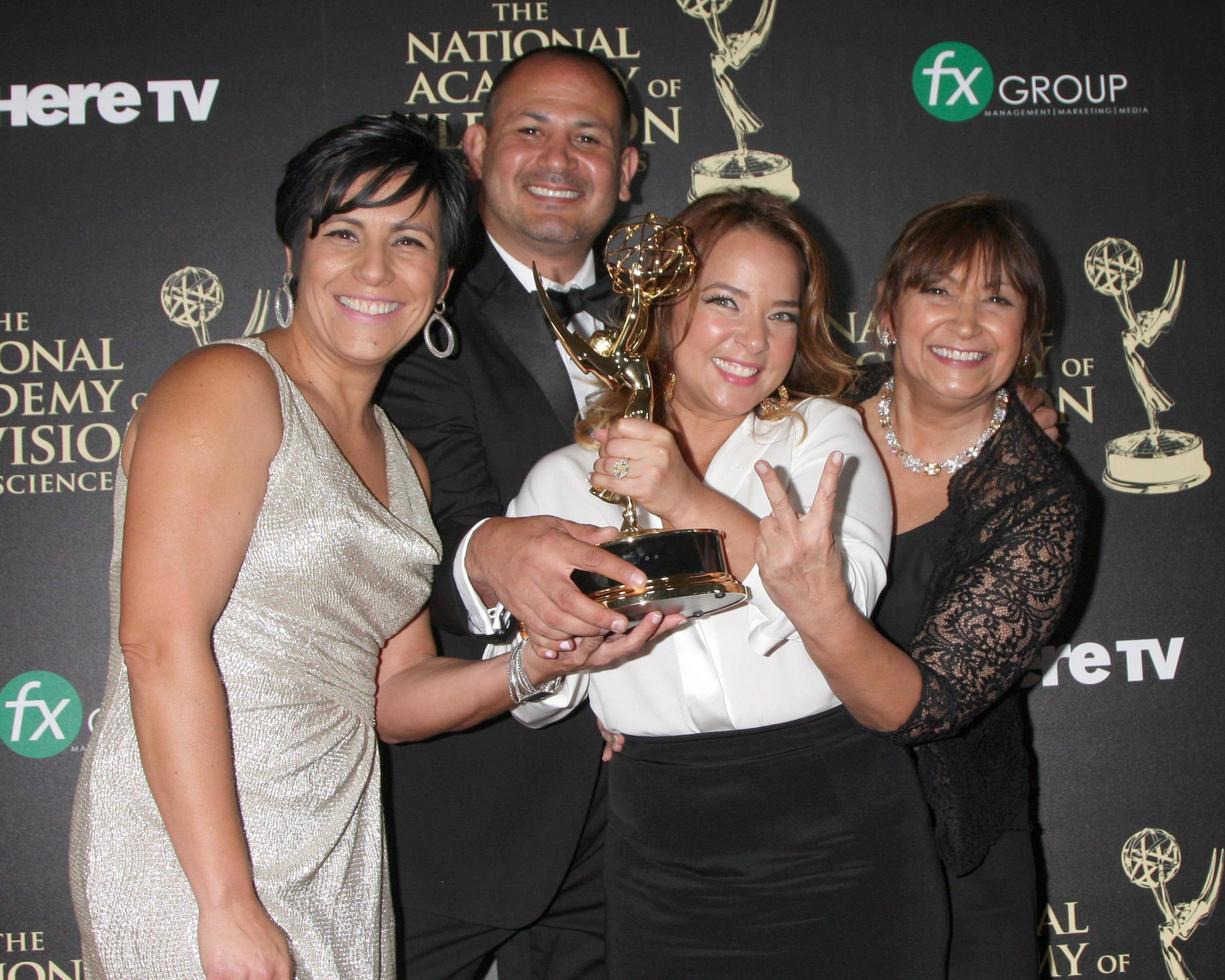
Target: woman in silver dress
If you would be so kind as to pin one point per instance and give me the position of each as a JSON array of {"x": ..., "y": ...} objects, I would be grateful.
[{"x": 273, "y": 553}]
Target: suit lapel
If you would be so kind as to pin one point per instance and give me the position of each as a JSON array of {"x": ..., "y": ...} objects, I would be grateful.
[{"x": 512, "y": 315}]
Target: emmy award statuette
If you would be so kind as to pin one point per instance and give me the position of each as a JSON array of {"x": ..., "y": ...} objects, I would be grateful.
[
  {"x": 740, "y": 167},
  {"x": 1151, "y": 858},
  {"x": 686, "y": 569},
  {"x": 1153, "y": 460},
  {"x": 193, "y": 296}
]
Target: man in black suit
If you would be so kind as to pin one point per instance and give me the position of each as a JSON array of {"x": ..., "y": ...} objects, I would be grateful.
[{"x": 497, "y": 832}]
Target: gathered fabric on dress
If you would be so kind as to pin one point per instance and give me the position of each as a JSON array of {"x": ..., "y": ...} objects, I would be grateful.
[{"x": 329, "y": 576}]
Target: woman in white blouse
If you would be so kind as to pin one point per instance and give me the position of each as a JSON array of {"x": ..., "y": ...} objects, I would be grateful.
[{"x": 754, "y": 827}]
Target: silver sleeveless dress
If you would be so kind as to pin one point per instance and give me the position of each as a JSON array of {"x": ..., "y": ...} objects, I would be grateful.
[{"x": 329, "y": 576}]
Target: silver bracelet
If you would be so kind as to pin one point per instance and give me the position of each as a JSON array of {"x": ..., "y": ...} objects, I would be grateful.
[{"x": 518, "y": 684}]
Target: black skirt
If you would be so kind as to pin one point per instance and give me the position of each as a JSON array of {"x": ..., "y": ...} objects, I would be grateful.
[{"x": 795, "y": 850}]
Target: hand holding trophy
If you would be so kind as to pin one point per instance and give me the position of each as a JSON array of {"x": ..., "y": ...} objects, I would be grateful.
[{"x": 686, "y": 570}]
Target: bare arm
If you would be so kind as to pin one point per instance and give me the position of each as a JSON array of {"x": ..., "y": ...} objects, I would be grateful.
[
  {"x": 973, "y": 646},
  {"x": 801, "y": 567},
  {"x": 197, "y": 468},
  {"x": 430, "y": 401},
  {"x": 421, "y": 695}
]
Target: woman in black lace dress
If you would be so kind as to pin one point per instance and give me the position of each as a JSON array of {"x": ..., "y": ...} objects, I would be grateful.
[{"x": 989, "y": 523}]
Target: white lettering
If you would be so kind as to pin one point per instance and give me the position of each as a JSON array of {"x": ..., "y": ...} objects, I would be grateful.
[
  {"x": 198, "y": 104},
  {"x": 1093, "y": 663},
  {"x": 117, "y": 103},
  {"x": 1067, "y": 89},
  {"x": 46, "y": 105}
]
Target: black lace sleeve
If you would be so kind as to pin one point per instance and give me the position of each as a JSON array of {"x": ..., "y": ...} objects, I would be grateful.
[{"x": 1005, "y": 582}]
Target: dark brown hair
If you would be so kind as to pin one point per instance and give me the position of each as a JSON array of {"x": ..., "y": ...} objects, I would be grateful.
[{"x": 977, "y": 230}]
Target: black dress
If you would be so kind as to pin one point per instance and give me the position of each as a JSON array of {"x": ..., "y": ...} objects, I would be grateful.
[
  {"x": 991, "y": 906},
  {"x": 990, "y": 595}
]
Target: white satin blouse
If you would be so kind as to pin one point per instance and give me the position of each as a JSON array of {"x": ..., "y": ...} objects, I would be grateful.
[{"x": 744, "y": 667}]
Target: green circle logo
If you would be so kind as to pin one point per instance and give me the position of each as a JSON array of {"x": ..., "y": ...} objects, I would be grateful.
[
  {"x": 952, "y": 81},
  {"x": 40, "y": 714}
]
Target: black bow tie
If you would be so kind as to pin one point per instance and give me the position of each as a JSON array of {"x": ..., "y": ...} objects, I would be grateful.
[{"x": 595, "y": 300}]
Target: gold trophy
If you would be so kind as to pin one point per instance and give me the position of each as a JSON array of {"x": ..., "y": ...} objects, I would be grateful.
[
  {"x": 686, "y": 569},
  {"x": 1152, "y": 460},
  {"x": 1151, "y": 858},
  {"x": 192, "y": 297},
  {"x": 741, "y": 167}
]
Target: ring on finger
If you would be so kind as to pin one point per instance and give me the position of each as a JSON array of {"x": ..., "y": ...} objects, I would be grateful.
[{"x": 620, "y": 468}]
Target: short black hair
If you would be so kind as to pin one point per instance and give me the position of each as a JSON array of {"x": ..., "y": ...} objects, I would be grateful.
[
  {"x": 318, "y": 180},
  {"x": 579, "y": 56}
]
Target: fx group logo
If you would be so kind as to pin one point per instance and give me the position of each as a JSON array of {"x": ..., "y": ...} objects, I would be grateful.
[
  {"x": 953, "y": 81},
  {"x": 40, "y": 714}
]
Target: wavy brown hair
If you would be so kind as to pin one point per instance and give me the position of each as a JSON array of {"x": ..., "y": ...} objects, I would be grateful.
[{"x": 820, "y": 366}]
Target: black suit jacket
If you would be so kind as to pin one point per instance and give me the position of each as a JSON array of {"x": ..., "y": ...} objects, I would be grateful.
[{"x": 484, "y": 823}]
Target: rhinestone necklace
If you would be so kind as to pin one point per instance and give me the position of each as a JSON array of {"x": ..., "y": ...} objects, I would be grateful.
[{"x": 953, "y": 463}]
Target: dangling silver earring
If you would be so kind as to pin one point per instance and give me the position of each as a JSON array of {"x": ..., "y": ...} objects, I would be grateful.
[
  {"x": 283, "y": 294},
  {"x": 885, "y": 339},
  {"x": 437, "y": 317}
]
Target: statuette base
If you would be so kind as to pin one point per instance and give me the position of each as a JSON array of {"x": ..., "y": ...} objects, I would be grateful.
[
  {"x": 686, "y": 573},
  {"x": 727, "y": 171},
  {"x": 1164, "y": 461}
]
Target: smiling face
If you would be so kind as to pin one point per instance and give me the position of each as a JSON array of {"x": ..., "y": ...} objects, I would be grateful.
[
  {"x": 739, "y": 344},
  {"x": 368, "y": 280},
  {"x": 958, "y": 337},
  {"x": 550, "y": 162}
]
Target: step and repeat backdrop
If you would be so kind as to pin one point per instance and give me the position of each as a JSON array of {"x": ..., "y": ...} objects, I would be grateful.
[{"x": 141, "y": 145}]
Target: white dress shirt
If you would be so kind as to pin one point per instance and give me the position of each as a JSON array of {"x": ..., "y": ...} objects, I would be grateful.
[
  {"x": 584, "y": 385},
  {"x": 744, "y": 667},
  {"x": 482, "y": 619}
]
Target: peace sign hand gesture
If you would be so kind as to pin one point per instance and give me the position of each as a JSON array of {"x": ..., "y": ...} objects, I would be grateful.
[{"x": 797, "y": 555}]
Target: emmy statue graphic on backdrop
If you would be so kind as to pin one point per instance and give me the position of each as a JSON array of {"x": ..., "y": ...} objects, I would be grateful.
[
  {"x": 1153, "y": 460},
  {"x": 1151, "y": 858},
  {"x": 740, "y": 167},
  {"x": 686, "y": 570},
  {"x": 192, "y": 297}
]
